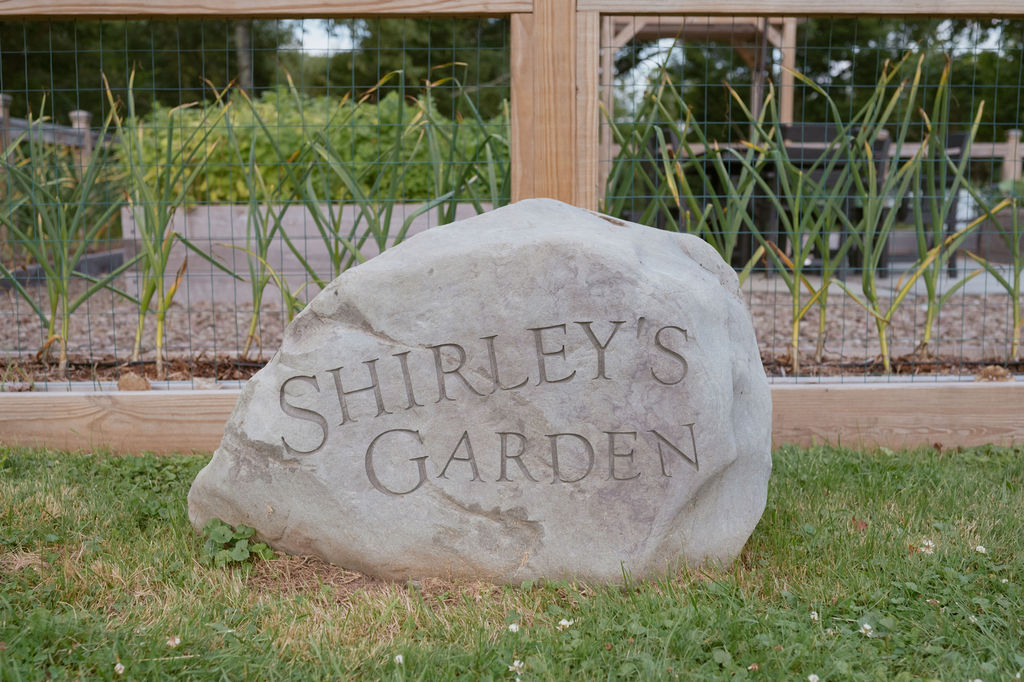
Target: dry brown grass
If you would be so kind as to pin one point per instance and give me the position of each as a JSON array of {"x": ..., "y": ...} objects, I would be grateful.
[{"x": 15, "y": 562}]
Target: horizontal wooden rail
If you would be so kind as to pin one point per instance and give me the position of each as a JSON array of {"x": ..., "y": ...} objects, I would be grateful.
[
  {"x": 1009, "y": 153},
  {"x": 256, "y": 8},
  {"x": 858, "y": 415},
  {"x": 150, "y": 421},
  {"x": 328, "y": 8},
  {"x": 898, "y": 415},
  {"x": 937, "y": 8}
]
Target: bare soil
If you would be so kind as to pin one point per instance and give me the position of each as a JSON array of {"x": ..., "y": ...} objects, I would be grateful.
[{"x": 205, "y": 340}]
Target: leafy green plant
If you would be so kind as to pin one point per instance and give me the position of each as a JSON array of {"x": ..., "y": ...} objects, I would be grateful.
[
  {"x": 938, "y": 180},
  {"x": 727, "y": 213},
  {"x": 1011, "y": 232},
  {"x": 684, "y": 194},
  {"x": 322, "y": 176},
  {"x": 462, "y": 174},
  {"x": 361, "y": 127},
  {"x": 376, "y": 189},
  {"x": 266, "y": 208},
  {"x": 226, "y": 545},
  {"x": 55, "y": 210},
  {"x": 292, "y": 174},
  {"x": 156, "y": 189},
  {"x": 324, "y": 180},
  {"x": 634, "y": 175},
  {"x": 880, "y": 192},
  {"x": 808, "y": 199}
]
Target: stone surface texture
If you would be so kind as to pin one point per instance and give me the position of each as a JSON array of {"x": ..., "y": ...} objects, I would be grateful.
[{"x": 539, "y": 391}]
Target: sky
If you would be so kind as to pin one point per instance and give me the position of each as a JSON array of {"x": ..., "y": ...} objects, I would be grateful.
[{"x": 319, "y": 40}]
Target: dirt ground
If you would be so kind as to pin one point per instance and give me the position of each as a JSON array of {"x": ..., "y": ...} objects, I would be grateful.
[{"x": 207, "y": 341}]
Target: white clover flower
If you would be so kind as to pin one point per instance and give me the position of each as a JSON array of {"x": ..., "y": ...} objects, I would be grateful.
[
  {"x": 812, "y": 678},
  {"x": 563, "y": 624},
  {"x": 516, "y": 667},
  {"x": 174, "y": 641},
  {"x": 865, "y": 629},
  {"x": 119, "y": 668},
  {"x": 814, "y": 616},
  {"x": 513, "y": 627},
  {"x": 399, "y": 659},
  {"x": 829, "y": 631},
  {"x": 927, "y": 547},
  {"x": 1005, "y": 580},
  {"x": 980, "y": 549}
]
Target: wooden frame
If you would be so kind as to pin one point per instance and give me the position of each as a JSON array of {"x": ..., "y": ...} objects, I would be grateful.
[
  {"x": 81, "y": 9},
  {"x": 555, "y": 153},
  {"x": 933, "y": 8},
  {"x": 868, "y": 415},
  {"x": 327, "y": 8}
]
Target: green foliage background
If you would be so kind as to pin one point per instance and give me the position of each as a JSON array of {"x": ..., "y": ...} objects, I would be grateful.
[
  {"x": 845, "y": 58},
  {"x": 472, "y": 50},
  {"x": 359, "y": 132},
  {"x": 62, "y": 62}
]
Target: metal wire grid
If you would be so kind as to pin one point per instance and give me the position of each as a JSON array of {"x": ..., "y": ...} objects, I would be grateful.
[
  {"x": 716, "y": 67},
  {"x": 408, "y": 108},
  {"x": 316, "y": 64}
]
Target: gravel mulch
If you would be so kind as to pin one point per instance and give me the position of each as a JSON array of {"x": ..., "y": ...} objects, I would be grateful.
[{"x": 204, "y": 340}]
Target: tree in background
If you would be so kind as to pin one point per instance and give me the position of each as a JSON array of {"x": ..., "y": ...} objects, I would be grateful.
[
  {"x": 471, "y": 52},
  {"x": 64, "y": 60},
  {"x": 173, "y": 59},
  {"x": 845, "y": 57},
  {"x": 699, "y": 71}
]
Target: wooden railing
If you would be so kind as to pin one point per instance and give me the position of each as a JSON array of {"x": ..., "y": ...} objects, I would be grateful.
[
  {"x": 1010, "y": 152},
  {"x": 78, "y": 135},
  {"x": 555, "y": 152}
]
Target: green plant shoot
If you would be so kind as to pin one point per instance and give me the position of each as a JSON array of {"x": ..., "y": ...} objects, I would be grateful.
[
  {"x": 227, "y": 546},
  {"x": 880, "y": 192},
  {"x": 155, "y": 191},
  {"x": 1012, "y": 234},
  {"x": 56, "y": 211},
  {"x": 937, "y": 180},
  {"x": 808, "y": 202}
]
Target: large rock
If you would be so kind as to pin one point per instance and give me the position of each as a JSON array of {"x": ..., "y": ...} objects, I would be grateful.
[{"x": 540, "y": 391}]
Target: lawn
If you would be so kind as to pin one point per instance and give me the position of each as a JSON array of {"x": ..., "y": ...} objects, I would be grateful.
[{"x": 866, "y": 565}]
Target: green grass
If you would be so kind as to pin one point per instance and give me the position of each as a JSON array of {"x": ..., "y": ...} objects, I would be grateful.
[{"x": 98, "y": 565}]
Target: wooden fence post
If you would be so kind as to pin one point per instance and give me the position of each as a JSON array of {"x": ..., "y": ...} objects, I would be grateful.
[
  {"x": 521, "y": 108},
  {"x": 544, "y": 99},
  {"x": 1011, "y": 161},
  {"x": 80, "y": 122},
  {"x": 786, "y": 79},
  {"x": 588, "y": 110},
  {"x": 555, "y": 115},
  {"x": 5, "y": 120}
]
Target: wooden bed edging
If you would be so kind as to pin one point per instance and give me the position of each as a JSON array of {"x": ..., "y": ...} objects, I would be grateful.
[{"x": 893, "y": 415}]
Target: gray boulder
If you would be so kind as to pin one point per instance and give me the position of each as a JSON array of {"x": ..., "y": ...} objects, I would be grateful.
[{"x": 540, "y": 391}]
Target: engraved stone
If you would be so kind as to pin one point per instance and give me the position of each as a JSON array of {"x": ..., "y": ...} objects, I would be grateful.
[{"x": 540, "y": 391}]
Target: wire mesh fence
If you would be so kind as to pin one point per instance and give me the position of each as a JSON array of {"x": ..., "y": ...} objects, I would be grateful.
[
  {"x": 174, "y": 191},
  {"x": 863, "y": 175},
  {"x": 232, "y": 169}
]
